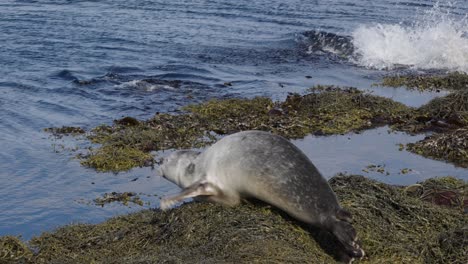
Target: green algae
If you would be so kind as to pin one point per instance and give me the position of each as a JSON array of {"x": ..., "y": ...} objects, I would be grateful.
[
  {"x": 451, "y": 81},
  {"x": 116, "y": 158},
  {"x": 393, "y": 227},
  {"x": 450, "y": 146},
  {"x": 232, "y": 115},
  {"x": 332, "y": 110},
  {"x": 324, "y": 111}
]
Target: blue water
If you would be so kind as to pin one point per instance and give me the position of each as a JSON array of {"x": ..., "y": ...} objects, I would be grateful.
[{"x": 83, "y": 63}]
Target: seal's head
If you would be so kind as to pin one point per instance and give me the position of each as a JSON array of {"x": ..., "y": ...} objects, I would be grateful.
[{"x": 179, "y": 168}]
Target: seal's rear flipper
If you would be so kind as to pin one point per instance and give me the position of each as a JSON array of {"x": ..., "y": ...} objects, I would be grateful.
[
  {"x": 346, "y": 234},
  {"x": 194, "y": 190},
  {"x": 344, "y": 215}
]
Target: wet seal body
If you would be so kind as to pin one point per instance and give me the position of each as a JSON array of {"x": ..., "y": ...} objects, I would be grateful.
[{"x": 256, "y": 164}]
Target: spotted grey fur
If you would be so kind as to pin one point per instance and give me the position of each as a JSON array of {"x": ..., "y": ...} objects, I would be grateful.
[{"x": 256, "y": 164}]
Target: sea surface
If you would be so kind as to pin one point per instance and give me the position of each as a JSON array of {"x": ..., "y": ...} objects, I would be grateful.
[{"x": 85, "y": 63}]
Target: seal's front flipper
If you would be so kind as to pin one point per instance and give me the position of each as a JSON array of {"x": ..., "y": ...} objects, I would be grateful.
[{"x": 194, "y": 190}]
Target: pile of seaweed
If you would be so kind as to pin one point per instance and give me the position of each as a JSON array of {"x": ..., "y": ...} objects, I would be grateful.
[
  {"x": 451, "y": 146},
  {"x": 394, "y": 224},
  {"x": 324, "y": 110},
  {"x": 446, "y": 116}
]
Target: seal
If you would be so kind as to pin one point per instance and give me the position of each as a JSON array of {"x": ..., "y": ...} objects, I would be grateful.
[{"x": 260, "y": 165}]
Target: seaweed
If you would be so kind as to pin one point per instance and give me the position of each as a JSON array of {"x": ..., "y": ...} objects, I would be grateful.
[
  {"x": 441, "y": 114},
  {"x": 452, "y": 247},
  {"x": 450, "y": 146},
  {"x": 324, "y": 111},
  {"x": 127, "y": 121},
  {"x": 451, "y": 81},
  {"x": 13, "y": 250},
  {"x": 65, "y": 130},
  {"x": 124, "y": 198},
  {"x": 393, "y": 226},
  {"x": 116, "y": 158},
  {"x": 451, "y": 109}
]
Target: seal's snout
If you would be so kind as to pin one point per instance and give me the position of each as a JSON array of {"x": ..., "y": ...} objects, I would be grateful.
[{"x": 162, "y": 163}]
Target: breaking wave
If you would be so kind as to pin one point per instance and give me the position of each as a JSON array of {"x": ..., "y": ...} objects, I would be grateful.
[{"x": 436, "y": 40}]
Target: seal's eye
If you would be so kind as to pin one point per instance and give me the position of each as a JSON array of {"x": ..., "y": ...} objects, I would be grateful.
[{"x": 162, "y": 161}]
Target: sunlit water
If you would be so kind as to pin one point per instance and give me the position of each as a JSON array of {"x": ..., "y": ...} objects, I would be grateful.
[{"x": 83, "y": 63}]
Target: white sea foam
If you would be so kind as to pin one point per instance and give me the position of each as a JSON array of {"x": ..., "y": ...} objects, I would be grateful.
[
  {"x": 142, "y": 84},
  {"x": 436, "y": 40}
]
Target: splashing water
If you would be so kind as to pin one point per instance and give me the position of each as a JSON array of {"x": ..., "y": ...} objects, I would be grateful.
[{"x": 436, "y": 40}]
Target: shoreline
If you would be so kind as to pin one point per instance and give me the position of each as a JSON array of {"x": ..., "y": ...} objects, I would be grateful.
[{"x": 323, "y": 110}]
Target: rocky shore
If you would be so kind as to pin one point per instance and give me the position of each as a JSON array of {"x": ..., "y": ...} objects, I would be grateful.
[{"x": 420, "y": 223}]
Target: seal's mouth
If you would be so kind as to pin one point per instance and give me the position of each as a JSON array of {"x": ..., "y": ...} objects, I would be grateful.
[
  {"x": 160, "y": 162},
  {"x": 161, "y": 172}
]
